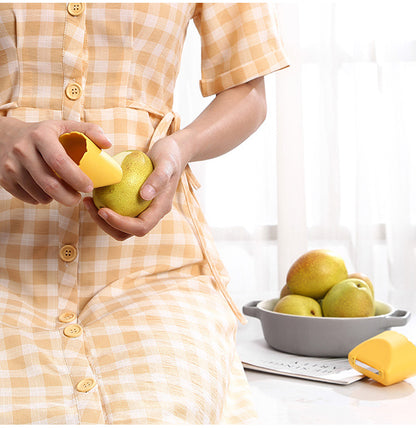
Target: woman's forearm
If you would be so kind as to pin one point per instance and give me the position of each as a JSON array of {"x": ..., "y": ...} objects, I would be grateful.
[
  {"x": 232, "y": 116},
  {"x": 228, "y": 120}
]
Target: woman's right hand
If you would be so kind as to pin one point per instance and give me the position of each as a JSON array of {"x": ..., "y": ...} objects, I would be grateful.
[{"x": 31, "y": 156}]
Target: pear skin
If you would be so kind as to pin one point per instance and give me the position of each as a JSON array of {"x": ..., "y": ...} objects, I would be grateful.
[
  {"x": 284, "y": 291},
  {"x": 294, "y": 304},
  {"x": 124, "y": 197},
  {"x": 363, "y": 277},
  {"x": 315, "y": 272},
  {"x": 349, "y": 298}
]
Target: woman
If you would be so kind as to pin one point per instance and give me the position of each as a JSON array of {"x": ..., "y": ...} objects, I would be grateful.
[{"x": 104, "y": 318}]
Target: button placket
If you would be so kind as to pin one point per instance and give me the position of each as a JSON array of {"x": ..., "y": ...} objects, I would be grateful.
[
  {"x": 74, "y": 67},
  {"x": 75, "y": 61}
]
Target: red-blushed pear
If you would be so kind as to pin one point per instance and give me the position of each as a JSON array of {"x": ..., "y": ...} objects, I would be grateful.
[
  {"x": 349, "y": 298},
  {"x": 284, "y": 291},
  {"x": 315, "y": 272},
  {"x": 294, "y": 304},
  {"x": 364, "y": 278}
]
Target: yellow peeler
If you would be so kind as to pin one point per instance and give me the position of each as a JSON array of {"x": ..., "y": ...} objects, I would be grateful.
[
  {"x": 387, "y": 358},
  {"x": 101, "y": 168}
]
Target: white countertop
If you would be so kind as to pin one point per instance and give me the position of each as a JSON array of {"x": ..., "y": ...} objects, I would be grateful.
[{"x": 283, "y": 400}]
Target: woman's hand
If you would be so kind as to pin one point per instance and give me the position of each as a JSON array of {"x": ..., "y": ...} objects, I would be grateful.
[
  {"x": 169, "y": 160},
  {"x": 31, "y": 156},
  {"x": 229, "y": 119}
]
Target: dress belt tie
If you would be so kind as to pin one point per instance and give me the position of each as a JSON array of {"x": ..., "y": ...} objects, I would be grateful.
[{"x": 169, "y": 124}]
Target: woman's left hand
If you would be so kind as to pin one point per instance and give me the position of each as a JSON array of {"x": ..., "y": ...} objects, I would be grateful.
[{"x": 169, "y": 163}]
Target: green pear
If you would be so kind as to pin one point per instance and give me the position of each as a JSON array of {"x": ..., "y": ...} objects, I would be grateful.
[
  {"x": 315, "y": 272},
  {"x": 349, "y": 298},
  {"x": 363, "y": 277},
  {"x": 124, "y": 197},
  {"x": 294, "y": 304}
]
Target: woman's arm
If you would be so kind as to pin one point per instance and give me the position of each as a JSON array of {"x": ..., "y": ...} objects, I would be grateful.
[
  {"x": 228, "y": 120},
  {"x": 232, "y": 116}
]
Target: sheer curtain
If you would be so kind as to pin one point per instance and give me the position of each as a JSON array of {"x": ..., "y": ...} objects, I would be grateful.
[{"x": 333, "y": 166}]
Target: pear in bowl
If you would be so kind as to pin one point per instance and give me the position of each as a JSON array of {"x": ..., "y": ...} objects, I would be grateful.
[
  {"x": 315, "y": 272},
  {"x": 349, "y": 298},
  {"x": 294, "y": 304}
]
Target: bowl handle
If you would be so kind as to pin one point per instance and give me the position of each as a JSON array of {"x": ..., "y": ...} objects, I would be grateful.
[
  {"x": 398, "y": 317},
  {"x": 251, "y": 309}
]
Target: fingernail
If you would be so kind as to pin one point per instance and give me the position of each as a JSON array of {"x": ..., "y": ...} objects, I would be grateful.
[
  {"x": 101, "y": 131},
  {"x": 89, "y": 188},
  {"x": 103, "y": 214},
  {"x": 148, "y": 192}
]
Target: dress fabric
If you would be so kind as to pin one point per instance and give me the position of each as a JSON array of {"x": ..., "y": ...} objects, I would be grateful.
[{"x": 93, "y": 330}]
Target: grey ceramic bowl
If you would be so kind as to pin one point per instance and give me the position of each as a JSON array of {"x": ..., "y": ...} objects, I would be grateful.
[{"x": 321, "y": 336}]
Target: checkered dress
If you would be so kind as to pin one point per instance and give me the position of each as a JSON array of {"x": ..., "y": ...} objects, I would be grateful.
[{"x": 93, "y": 330}]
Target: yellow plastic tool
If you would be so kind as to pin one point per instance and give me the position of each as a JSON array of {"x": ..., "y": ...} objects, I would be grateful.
[
  {"x": 387, "y": 358},
  {"x": 100, "y": 167}
]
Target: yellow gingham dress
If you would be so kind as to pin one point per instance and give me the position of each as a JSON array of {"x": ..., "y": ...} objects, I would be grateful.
[{"x": 93, "y": 330}]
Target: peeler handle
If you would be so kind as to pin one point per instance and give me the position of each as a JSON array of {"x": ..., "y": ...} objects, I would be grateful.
[
  {"x": 251, "y": 309},
  {"x": 398, "y": 317}
]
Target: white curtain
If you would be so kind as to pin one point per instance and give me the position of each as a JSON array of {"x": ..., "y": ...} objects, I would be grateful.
[{"x": 334, "y": 164}]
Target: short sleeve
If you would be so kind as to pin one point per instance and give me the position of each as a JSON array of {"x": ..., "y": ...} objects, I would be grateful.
[{"x": 239, "y": 42}]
